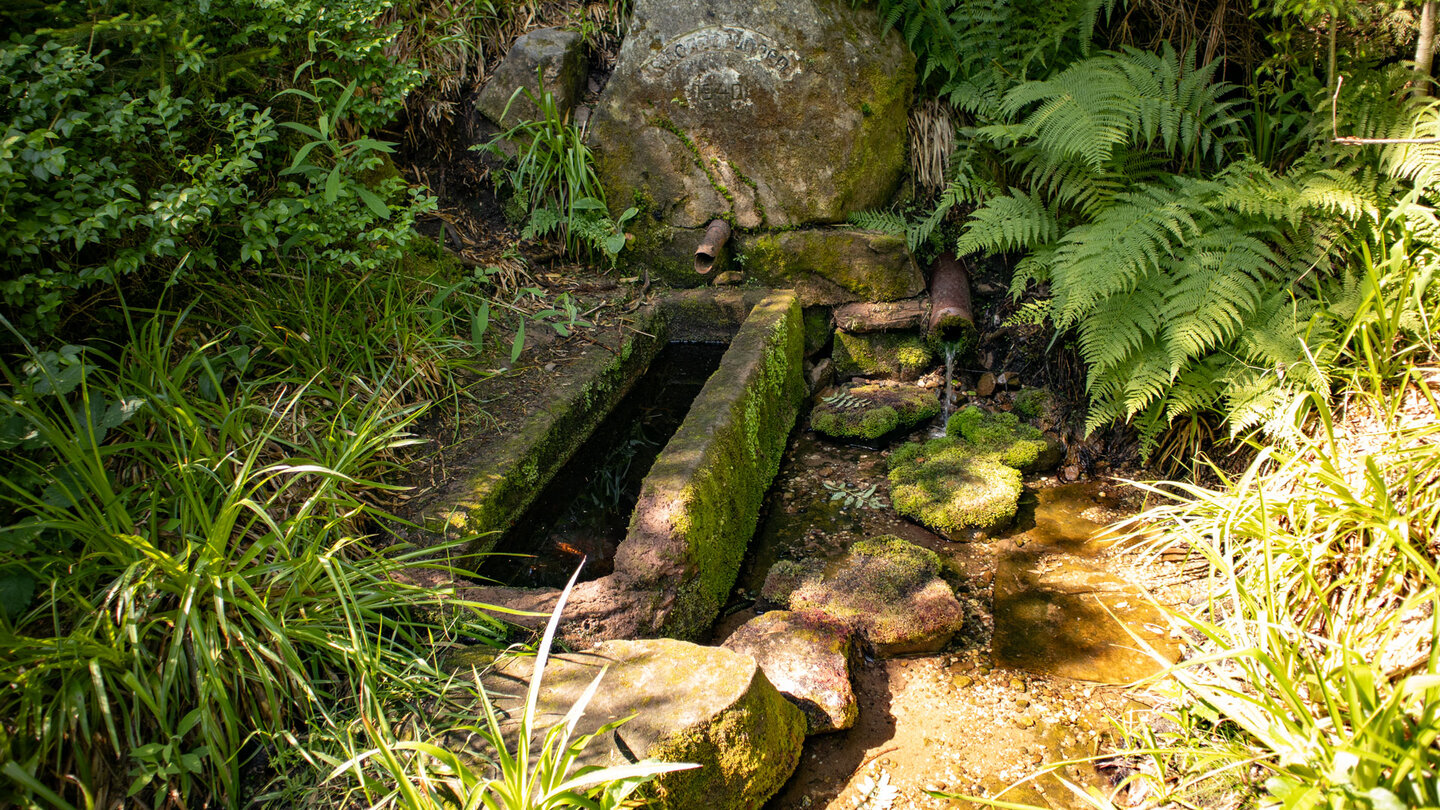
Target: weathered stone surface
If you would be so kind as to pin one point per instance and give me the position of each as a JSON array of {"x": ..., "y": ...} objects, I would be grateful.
[
  {"x": 706, "y": 705},
  {"x": 838, "y": 266},
  {"x": 1075, "y": 620},
  {"x": 873, "y": 410},
  {"x": 894, "y": 355},
  {"x": 1059, "y": 613},
  {"x": 888, "y": 316},
  {"x": 806, "y": 656},
  {"x": 710, "y": 315},
  {"x": 492, "y": 491},
  {"x": 889, "y": 589},
  {"x": 1016, "y": 444},
  {"x": 818, "y": 332},
  {"x": 719, "y": 107},
  {"x": 700, "y": 502},
  {"x": 558, "y": 56},
  {"x": 948, "y": 485}
]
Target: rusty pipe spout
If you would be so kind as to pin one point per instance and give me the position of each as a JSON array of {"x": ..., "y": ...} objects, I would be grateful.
[
  {"x": 950, "y": 314},
  {"x": 708, "y": 254}
]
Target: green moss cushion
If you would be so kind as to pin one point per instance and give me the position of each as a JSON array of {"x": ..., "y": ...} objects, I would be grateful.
[
  {"x": 1016, "y": 444},
  {"x": 871, "y": 411},
  {"x": 893, "y": 355},
  {"x": 950, "y": 485},
  {"x": 888, "y": 588}
]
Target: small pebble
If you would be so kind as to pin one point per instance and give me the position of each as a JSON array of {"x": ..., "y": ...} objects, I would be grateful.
[
  {"x": 1025, "y": 721},
  {"x": 961, "y": 681},
  {"x": 1017, "y": 684}
]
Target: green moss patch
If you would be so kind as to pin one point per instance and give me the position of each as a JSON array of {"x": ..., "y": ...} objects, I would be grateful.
[
  {"x": 1031, "y": 403},
  {"x": 888, "y": 588},
  {"x": 872, "y": 411},
  {"x": 1016, "y": 444},
  {"x": 949, "y": 485},
  {"x": 885, "y": 354}
]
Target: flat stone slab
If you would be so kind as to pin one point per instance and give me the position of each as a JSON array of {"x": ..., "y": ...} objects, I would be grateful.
[
  {"x": 806, "y": 655},
  {"x": 889, "y": 589},
  {"x": 499, "y": 478},
  {"x": 705, "y": 705},
  {"x": 1056, "y": 614}
]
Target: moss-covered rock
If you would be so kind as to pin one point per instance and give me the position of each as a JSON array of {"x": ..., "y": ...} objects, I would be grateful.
[
  {"x": 895, "y": 355},
  {"x": 701, "y": 500},
  {"x": 549, "y": 55},
  {"x": 854, "y": 265},
  {"x": 719, "y": 108},
  {"x": 873, "y": 410},
  {"x": 1017, "y": 444},
  {"x": 806, "y": 655},
  {"x": 889, "y": 589},
  {"x": 949, "y": 485},
  {"x": 706, "y": 705},
  {"x": 1032, "y": 403},
  {"x": 818, "y": 332}
]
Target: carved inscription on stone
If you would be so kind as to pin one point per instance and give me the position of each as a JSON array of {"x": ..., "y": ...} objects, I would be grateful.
[{"x": 738, "y": 47}]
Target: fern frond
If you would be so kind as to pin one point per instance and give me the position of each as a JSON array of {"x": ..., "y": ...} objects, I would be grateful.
[
  {"x": 1213, "y": 291},
  {"x": 887, "y": 222},
  {"x": 1126, "y": 243},
  {"x": 1011, "y": 221}
]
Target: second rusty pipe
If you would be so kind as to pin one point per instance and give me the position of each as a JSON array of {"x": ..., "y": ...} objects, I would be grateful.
[
  {"x": 717, "y": 233},
  {"x": 950, "y": 315}
]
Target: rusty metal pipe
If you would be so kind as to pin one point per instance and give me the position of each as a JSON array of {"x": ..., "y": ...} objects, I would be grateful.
[
  {"x": 707, "y": 255},
  {"x": 950, "y": 315}
]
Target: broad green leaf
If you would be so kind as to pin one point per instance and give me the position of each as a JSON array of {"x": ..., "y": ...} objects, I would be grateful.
[{"x": 518, "y": 345}]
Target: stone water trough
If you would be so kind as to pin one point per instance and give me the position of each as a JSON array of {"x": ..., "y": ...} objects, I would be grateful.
[{"x": 700, "y": 502}]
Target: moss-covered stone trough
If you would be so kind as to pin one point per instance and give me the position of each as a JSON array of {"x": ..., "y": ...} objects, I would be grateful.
[
  {"x": 700, "y": 502},
  {"x": 504, "y": 476}
]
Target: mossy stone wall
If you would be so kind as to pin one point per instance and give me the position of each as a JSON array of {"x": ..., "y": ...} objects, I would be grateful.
[
  {"x": 701, "y": 501},
  {"x": 501, "y": 485}
]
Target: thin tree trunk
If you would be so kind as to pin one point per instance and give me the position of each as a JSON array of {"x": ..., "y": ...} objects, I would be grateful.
[
  {"x": 1425, "y": 47},
  {"x": 1330, "y": 61}
]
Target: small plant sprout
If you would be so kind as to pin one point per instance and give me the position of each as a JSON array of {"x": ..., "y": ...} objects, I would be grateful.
[{"x": 855, "y": 496}]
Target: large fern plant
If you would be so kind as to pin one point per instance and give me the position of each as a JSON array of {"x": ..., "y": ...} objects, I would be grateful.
[{"x": 1188, "y": 272}]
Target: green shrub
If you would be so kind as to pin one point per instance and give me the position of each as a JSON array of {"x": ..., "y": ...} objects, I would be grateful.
[{"x": 148, "y": 144}]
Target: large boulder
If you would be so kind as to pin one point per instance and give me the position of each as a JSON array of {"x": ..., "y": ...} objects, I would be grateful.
[
  {"x": 779, "y": 114},
  {"x": 888, "y": 588},
  {"x": 806, "y": 656},
  {"x": 706, "y": 705},
  {"x": 548, "y": 55}
]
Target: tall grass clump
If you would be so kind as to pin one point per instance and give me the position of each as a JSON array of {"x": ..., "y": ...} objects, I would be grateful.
[
  {"x": 1315, "y": 678},
  {"x": 523, "y": 767},
  {"x": 187, "y": 572}
]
